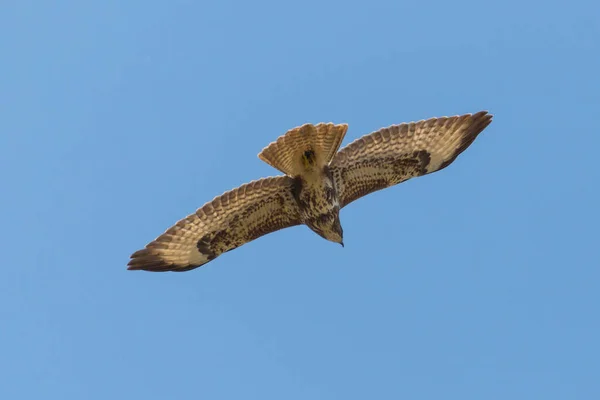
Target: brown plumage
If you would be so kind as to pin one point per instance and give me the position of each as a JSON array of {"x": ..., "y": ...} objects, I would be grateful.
[
  {"x": 319, "y": 181},
  {"x": 287, "y": 153},
  {"x": 400, "y": 152},
  {"x": 238, "y": 216}
]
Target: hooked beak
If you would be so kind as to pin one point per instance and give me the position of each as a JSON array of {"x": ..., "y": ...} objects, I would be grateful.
[{"x": 342, "y": 243}]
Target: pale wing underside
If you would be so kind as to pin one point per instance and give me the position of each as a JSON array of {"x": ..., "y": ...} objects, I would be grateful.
[
  {"x": 230, "y": 220},
  {"x": 400, "y": 152}
]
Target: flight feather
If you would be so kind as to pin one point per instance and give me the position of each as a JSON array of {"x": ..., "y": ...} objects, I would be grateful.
[
  {"x": 316, "y": 144},
  {"x": 225, "y": 223},
  {"x": 394, "y": 154},
  {"x": 318, "y": 181}
]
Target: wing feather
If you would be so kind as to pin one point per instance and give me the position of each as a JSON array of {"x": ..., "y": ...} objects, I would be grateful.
[
  {"x": 397, "y": 153},
  {"x": 223, "y": 224}
]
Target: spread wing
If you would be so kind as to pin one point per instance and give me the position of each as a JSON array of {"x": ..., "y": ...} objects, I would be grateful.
[
  {"x": 400, "y": 152},
  {"x": 230, "y": 220}
]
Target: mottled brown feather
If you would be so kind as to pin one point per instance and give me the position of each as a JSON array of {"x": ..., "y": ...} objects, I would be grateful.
[
  {"x": 397, "y": 153},
  {"x": 285, "y": 153},
  {"x": 381, "y": 159},
  {"x": 230, "y": 220}
]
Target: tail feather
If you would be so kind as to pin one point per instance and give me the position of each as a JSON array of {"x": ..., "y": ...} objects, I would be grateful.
[{"x": 304, "y": 147}]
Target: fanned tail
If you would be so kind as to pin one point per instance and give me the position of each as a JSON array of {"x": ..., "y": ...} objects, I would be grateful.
[{"x": 304, "y": 148}]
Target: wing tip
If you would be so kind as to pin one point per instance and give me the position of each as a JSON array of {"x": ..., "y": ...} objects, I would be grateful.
[
  {"x": 145, "y": 260},
  {"x": 480, "y": 121}
]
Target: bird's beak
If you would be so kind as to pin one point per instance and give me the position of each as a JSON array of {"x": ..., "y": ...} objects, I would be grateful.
[{"x": 342, "y": 243}]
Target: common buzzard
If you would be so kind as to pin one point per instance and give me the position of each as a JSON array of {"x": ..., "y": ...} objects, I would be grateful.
[{"x": 319, "y": 180}]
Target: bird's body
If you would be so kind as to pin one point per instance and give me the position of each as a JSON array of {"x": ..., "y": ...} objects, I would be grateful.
[
  {"x": 319, "y": 180},
  {"x": 317, "y": 200}
]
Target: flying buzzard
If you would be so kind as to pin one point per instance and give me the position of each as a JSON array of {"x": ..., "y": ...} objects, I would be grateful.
[{"x": 319, "y": 180}]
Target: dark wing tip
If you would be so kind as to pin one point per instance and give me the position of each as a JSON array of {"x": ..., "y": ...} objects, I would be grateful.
[
  {"x": 479, "y": 121},
  {"x": 146, "y": 260}
]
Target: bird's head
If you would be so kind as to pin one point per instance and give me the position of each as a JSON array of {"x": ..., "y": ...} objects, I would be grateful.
[{"x": 329, "y": 227}]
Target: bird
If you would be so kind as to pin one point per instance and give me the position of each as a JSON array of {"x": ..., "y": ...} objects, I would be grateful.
[{"x": 318, "y": 180}]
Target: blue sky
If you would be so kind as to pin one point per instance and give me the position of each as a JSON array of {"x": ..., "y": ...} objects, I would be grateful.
[{"x": 121, "y": 117}]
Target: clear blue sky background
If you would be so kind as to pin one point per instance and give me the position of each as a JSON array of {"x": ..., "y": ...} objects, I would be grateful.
[{"x": 120, "y": 117}]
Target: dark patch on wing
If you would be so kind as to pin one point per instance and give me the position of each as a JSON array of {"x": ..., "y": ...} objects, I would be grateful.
[
  {"x": 228, "y": 221},
  {"x": 204, "y": 246},
  {"x": 360, "y": 180},
  {"x": 411, "y": 165},
  {"x": 393, "y": 155},
  {"x": 242, "y": 228}
]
